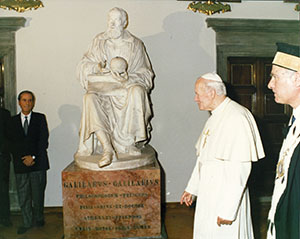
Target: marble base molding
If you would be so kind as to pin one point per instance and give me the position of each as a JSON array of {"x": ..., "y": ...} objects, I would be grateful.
[
  {"x": 123, "y": 161},
  {"x": 112, "y": 204}
]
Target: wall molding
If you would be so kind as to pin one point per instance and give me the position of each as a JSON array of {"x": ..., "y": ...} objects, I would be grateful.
[
  {"x": 8, "y": 27},
  {"x": 250, "y": 38}
]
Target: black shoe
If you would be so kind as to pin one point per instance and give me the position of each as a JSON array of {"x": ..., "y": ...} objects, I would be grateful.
[
  {"x": 40, "y": 223},
  {"x": 22, "y": 230}
]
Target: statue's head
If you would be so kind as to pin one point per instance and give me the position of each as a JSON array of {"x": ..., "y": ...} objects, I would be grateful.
[
  {"x": 117, "y": 22},
  {"x": 118, "y": 64}
]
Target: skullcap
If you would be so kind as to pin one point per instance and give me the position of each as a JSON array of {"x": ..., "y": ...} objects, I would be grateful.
[{"x": 212, "y": 76}]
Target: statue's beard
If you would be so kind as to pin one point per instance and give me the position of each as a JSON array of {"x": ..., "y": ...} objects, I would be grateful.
[{"x": 115, "y": 33}]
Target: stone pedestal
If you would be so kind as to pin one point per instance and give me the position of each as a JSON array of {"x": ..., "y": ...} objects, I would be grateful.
[
  {"x": 112, "y": 204},
  {"x": 124, "y": 161}
]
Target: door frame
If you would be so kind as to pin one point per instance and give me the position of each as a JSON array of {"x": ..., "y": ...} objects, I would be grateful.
[
  {"x": 8, "y": 27},
  {"x": 250, "y": 38}
]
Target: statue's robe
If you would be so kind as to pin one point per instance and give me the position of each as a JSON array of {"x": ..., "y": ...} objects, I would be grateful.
[
  {"x": 284, "y": 214},
  {"x": 125, "y": 113},
  {"x": 229, "y": 142}
]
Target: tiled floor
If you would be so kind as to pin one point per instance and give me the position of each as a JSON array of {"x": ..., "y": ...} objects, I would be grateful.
[{"x": 178, "y": 223}]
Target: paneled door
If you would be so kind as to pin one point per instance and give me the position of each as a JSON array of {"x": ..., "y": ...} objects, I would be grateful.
[
  {"x": 248, "y": 78},
  {"x": 1, "y": 82}
]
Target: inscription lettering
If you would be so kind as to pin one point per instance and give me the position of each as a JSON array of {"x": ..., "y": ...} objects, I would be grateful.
[
  {"x": 83, "y": 228},
  {"x": 117, "y": 217},
  {"x": 141, "y": 227},
  {"x": 95, "y": 184},
  {"x": 104, "y": 206},
  {"x": 130, "y": 183},
  {"x": 103, "y": 228},
  {"x": 117, "y": 228},
  {"x": 110, "y": 195},
  {"x": 128, "y": 195},
  {"x": 122, "y": 228},
  {"x": 84, "y": 184},
  {"x": 100, "y": 206}
]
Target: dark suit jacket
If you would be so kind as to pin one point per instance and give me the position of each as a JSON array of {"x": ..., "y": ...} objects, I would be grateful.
[
  {"x": 287, "y": 217},
  {"x": 35, "y": 143},
  {"x": 4, "y": 129}
]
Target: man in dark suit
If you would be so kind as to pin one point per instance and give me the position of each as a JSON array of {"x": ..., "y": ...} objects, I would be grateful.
[
  {"x": 30, "y": 138},
  {"x": 284, "y": 215},
  {"x": 4, "y": 168}
]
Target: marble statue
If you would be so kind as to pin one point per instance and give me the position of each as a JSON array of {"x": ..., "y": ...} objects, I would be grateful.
[{"x": 117, "y": 76}]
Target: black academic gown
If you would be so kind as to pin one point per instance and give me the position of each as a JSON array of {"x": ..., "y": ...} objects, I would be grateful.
[
  {"x": 4, "y": 128},
  {"x": 4, "y": 166},
  {"x": 287, "y": 216}
]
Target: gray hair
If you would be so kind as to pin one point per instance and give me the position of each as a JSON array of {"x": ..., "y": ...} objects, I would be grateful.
[
  {"x": 122, "y": 12},
  {"x": 219, "y": 87}
]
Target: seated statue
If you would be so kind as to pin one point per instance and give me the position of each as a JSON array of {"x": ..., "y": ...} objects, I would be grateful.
[{"x": 117, "y": 76}]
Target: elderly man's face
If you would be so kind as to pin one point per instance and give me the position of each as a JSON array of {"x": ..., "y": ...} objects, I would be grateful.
[
  {"x": 115, "y": 25},
  {"x": 282, "y": 84},
  {"x": 203, "y": 96}
]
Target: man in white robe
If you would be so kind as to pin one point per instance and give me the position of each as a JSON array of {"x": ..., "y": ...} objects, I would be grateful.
[
  {"x": 118, "y": 112},
  {"x": 229, "y": 142}
]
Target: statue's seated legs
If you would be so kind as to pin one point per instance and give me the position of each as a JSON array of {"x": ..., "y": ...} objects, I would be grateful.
[
  {"x": 108, "y": 151},
  {"x": 120, "y": 123}
]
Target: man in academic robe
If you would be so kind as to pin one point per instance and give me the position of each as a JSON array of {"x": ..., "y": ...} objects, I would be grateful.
[
  {"x": 4, "y": 168},
  {"x": 229, "y": 143},
  {"x": 29, "y": 134},
  {"x": 284, "y": 215}
]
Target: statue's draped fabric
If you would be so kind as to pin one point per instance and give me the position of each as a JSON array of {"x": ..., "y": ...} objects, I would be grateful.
[
  {"x": 125, "y": 114},
  {"x": 230, "y": 141}
]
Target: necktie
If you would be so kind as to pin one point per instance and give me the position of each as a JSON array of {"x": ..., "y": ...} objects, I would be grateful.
[
  {"x": 293, "y": 119},
  {"x": 26, "y": 125}
]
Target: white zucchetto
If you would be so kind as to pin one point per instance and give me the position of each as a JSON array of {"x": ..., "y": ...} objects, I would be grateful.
[{"x": 212, "y": 76}]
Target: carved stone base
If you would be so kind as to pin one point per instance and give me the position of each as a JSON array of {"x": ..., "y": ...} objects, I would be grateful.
[
  {"x": 124, "y": 161},
  {"x": 112, "y": 204}
]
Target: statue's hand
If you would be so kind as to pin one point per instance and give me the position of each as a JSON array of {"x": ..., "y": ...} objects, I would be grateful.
[
  {"x": 122, "y": 78},
  {"x": 102, "y": 66}
]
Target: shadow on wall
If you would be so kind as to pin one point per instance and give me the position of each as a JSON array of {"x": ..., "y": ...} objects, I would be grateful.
[
  {"x": 64, "y": 138},
  {"x": 178, "y": 55},
  {"x": 177, "y": 52},
  {"x": 63, "y": 145}
]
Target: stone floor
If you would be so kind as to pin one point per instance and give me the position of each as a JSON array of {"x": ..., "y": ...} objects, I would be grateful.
[{"x": 178, "y": 223}]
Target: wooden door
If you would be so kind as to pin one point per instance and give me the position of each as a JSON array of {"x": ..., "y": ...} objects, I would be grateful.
[
  {"x": 1, "y": 83},
  {"x": 248, "y": 78}
]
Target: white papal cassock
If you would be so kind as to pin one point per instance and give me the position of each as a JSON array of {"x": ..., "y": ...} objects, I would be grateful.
[{"x": 230, "y": 141}]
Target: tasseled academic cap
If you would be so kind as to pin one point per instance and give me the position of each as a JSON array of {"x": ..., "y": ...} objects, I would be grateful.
[
  {"x": 212, "y": 76},
  {"x": 287, "y": 56}
]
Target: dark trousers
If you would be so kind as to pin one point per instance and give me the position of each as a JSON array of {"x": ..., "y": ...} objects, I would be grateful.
[
  {"x": 4, "y": 186},
  {"x": 31, "y": 193}
]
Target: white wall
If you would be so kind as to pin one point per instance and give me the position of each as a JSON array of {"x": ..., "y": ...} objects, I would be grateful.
[{"x": 179, "y": 44}]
